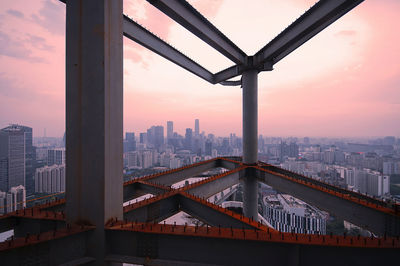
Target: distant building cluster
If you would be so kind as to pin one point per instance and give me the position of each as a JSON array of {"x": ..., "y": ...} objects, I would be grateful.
[
  {"x": 27, "y": 169},
  {"x": 288, "y": 214},
  {"x": 50, "y": 179},
  {"x": 12, "y": 200},
  {"x": 152, "y": 149}
]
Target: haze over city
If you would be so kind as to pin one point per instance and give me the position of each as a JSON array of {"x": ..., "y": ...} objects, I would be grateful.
[{"x": 350, "y": 88}]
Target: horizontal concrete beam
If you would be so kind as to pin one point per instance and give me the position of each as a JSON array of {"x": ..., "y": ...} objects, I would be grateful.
[
  {"x": 183, "y": 13},
  {"x": 366, "y": 217},
  {"x": 317, "y": 18}
]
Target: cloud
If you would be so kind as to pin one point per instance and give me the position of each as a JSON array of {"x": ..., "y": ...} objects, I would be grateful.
[
  {"x": 11, "y": 89},
  {"x": 39, "y": 42},
  {"x": 17, "y": 49},
  {"x": 208, "y": 8},
  {"x": 346, "y": 33},
  {"x": 15, "y": 13},
  {"x": 51, "y": 17}
]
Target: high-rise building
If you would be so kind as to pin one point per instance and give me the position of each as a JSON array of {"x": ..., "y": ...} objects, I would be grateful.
[
  {"x": 50, "y": 179},
  {"x": 155, "y": 136},
  {"x": 196, "y": 127},
  {"x": 143, "y": 138},
  {"x": 158, "y": 136},
  {"x": 188, "y": 139},
  {"x": 130, "y": 141},
  {"x": 208, "y": 148},
  {"x": 288, "y": 214},
  {"x": 170, "y": 129},
  {"x": 16, "y": 157},
  {"x": 13, "y": 200},
  {"x": 56, "y": 156}
]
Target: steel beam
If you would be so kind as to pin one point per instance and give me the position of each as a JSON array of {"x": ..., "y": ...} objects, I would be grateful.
[
  {"x": 183, "y": 13},
  {"x": 318, "y": 17},
  {"x": 139, "y": 34},
  {"x": 378, "y": 222},
  {"x": 137, "y": 189},
  {"x": 207, "y": 189},
  {"x": 152, "y": 211},
  {"x": 94, "y": 116},
  {"x": 228, "y": 73},
  {"x": 155, "y": 247},
  {"x": 250, "y": 141},
  {"x": 48, "y": 249},
  {"x": 209, "y": 213},
  {"x": 169, "y": 179}
]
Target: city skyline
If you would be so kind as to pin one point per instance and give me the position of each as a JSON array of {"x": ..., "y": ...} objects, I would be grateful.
[{"x": 340, "y": 92}]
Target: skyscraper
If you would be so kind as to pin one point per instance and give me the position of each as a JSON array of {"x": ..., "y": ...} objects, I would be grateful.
[
  {"x": 196, "y": 127},
  {"x": 208, "y": 148},
  {"x": 56, "y": 156},
  {"x": 130, "y": 141},
  {"x": 188, "y": 139},
  {"x": 155, "y": 136},
  {"x": 158, "y": 136},
  {"x": 16, "y": 158},
  {"x": 170, "y": 129}
]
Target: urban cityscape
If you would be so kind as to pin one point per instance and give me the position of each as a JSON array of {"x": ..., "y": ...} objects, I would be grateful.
[
  {"x": 33, "y": 167},
  {"x": 136, "y": 132}
]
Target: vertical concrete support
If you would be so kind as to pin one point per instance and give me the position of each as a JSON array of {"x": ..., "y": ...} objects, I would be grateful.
[
  {"x": 94, "y": 99},
  {"x": 250, "y": 141}
]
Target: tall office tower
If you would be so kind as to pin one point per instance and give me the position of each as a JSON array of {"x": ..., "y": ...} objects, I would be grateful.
[
  {"x": 158, "y": 137},
  {"x": 293, "y": 149},
  {"x": 188, "y": 139},
  {"x": 150, "y": 135},
  {"x": 196, "y": 127},
  {"x": 208, "y": 148},
  {"x": 18, "y": 197},
  {"x": 130, "y": 141},
  {"x": 56, "y": 156},
  {"x": 50, "y": 179},
  {"x": 143, "y": 138},
  {"x": 16, "y": 157},
  {"x": 155, "y": 136},
  {"x": 170, "y": 129}
]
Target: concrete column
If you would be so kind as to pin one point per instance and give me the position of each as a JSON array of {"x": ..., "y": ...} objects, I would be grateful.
[
  {"x": 94, "y": 98},
  {"x": 250, "y": 141}
]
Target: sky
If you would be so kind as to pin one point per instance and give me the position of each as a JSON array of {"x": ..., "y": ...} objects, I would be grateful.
[{"x": 343, "y": 82}]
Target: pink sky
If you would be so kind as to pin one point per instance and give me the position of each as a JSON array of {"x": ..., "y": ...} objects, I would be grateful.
[{"x": 343, "y": 82}]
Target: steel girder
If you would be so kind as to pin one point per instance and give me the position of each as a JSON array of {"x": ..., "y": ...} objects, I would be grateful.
[
  {"x": 318, "y": 17},
  {"x": 183, "y": 13}
]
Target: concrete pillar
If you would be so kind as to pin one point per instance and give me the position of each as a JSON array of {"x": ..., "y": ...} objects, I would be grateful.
[
  {"x": 250, "y": 141},
  {"x": 94, "y": 98}
]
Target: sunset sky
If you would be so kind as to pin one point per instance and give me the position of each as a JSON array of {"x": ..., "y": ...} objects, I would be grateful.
[{"x": 343, "y": 82}]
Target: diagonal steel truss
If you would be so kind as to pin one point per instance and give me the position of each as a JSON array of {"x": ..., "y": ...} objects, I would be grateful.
[{"x": 44, "y": 226}]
